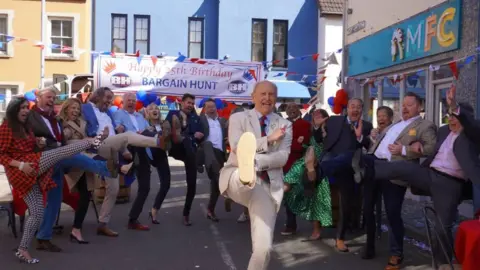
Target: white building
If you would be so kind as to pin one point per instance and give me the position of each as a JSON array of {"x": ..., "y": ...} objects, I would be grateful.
[{"x": 330, "y": 32}]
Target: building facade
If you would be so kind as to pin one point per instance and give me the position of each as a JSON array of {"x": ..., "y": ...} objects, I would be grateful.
[
  {"x": 330, "y": 37},
  {"x": 67, "y": 45},
  {"x": 412, "y": 46},
  {"x": 246, "y": 30}
]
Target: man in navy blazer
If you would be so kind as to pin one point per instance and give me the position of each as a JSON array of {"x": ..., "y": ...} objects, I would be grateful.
[{"x": 184, "y": 147}]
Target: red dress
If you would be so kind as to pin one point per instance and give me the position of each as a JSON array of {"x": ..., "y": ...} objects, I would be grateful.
[
  {"x": 299, "y": 128},
  {"x": 21, "y": 149}
]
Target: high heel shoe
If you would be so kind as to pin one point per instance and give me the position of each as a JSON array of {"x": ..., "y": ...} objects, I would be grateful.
[
  {"x": 154, "y": 220},
  {"x": 73, "y": 238},
  {"x": 24, "y": 259},
  {"x": 186, "y": 221},
  {"x": 212, "y": 217}
]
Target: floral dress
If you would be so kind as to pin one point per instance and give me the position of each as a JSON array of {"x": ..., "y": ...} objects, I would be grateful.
[{"x": 318, "y": 206}]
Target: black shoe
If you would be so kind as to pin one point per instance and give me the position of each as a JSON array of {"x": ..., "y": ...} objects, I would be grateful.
[
  {"x": 358, "y": 170},
  {"x": 73, "y": 238},
  {"x": 200, "y": 169}
]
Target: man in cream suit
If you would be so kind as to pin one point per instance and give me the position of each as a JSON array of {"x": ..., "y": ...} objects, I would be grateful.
[{"x": 253, "y": 177}]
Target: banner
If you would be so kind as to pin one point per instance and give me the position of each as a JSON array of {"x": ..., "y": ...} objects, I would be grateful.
[{"x": 165, "y": 76}]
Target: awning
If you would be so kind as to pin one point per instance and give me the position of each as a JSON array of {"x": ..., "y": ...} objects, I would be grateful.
[{"x": 291, "y": 89}]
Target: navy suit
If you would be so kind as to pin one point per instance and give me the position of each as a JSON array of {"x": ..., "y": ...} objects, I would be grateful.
[
  {"x": 92, "y": 121},
  {"x": 186, "y": 152}
]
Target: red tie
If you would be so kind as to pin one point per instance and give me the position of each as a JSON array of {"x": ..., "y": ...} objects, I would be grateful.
[{"x": 263, "y": 174}]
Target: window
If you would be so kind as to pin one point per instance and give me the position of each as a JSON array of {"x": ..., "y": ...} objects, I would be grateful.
[
  {"x": 280, "y": 38},
  {"x": 62, "y": 32},
  {"x": 119, "y": 33},
  {"x": 61, "y": 36},
  {"x": 6, "y": 93},
  {"x": 259, "y": 40},
  {"x": 195, "y": 37},
  {"x": 142, "y": 34},
  {"x": 6, "y": 28}
]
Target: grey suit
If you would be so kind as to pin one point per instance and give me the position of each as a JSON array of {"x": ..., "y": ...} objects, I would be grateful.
[
  {"x": 213, "y": 158},
  {"x": 446, "y": 190}
]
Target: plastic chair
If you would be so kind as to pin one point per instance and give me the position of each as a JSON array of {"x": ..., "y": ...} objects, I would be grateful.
[{"x": 428, "y": 226}]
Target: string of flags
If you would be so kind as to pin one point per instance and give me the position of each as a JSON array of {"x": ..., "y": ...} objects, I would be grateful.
[
  {"x": 413, "y": 78},
  {"x": 182, "y": 58}
]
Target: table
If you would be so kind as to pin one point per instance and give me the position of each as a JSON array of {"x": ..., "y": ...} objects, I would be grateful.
[{"x": 467, "y": 244}]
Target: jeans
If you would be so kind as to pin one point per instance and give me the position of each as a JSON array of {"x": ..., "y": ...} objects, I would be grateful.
[{"x": 54, "y": 196}]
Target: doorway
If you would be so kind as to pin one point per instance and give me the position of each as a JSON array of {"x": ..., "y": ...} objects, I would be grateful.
[{"x": 440, "y": 114}]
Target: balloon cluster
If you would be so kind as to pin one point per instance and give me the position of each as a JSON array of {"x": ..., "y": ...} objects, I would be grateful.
[
  {"x": 220, "y": 104},
  {"x": 31, "y": 96},
  {"x": 143, "y": 100},
  {"x": 339, "y": 102}
]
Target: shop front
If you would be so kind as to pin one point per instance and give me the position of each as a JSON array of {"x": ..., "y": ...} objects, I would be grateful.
[{"x": 423, "y": 54}]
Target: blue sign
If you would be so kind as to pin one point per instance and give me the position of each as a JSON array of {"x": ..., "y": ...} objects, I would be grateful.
[{"x": 431, "y": 32}]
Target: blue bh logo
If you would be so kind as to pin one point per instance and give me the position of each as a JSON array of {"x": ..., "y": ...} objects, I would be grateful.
[
  {"x": 120, "y": 80},
  {"x": 238, "y": 87}
]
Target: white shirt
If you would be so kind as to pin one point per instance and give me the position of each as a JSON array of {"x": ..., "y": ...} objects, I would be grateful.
[
  {"x": 382, "y": 151},
  {"x": 445, "y": 160},
  {"x": 134, "y": 121},
  {"x": 215, "y": 133},
  {"x": 50, "y": 125},
  {"x": 103, "y": 121}
]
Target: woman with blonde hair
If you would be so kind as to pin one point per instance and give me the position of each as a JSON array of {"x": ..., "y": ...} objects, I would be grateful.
[
  {"x": 74, "y": 128},
  {"x": 160, "y": 158}
]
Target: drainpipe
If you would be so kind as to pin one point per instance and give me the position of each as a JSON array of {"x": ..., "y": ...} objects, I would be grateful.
[
  {"x": 42, "y": 52},
  {"x": 344, "y": 37},
  {"x": 93, "y": 9}
]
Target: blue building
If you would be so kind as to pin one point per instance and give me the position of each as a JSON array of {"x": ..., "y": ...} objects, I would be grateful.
[{"x": 247, "y": 30}]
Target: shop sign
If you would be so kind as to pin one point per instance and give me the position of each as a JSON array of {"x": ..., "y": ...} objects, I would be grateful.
[{"x": 429, "y": 33}]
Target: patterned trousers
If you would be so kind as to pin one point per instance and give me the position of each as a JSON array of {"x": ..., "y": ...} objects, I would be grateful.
[{"x": 34, "y": 198}]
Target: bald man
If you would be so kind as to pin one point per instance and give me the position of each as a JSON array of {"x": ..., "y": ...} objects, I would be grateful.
[{"x": 253, "y": 175}]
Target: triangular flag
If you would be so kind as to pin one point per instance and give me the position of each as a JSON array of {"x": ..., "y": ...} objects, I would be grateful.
[
  {"x": 139, "y": 59},
  {"x": 55, "y": 46},
  {"x": 201, "y": 62},
  {"x": 137, "y": 53},
  {"x": 66, "y": 49},
  {"x": 180, "y": 57},
  {"x": 322, "y": 71},
  {"x": 434, "y": 68},
  {"x": 315, "y": 57},
  {"x": 322, "y": 80},
  {"x": 278, "y": 75},
  {"x": 469, "y": 59},
  {"x": 112, "y": 53},
  {"x": 9, "y": 38},
  {"x": 154, "y": 60},
  {"x": 194, "y": 60},
  {"x": 276, "y": 62},
  {"x": 304, "y": 78},
  {"x": 453, "y": 67},
  {"x": 39, "y": 45},
  {"x": 339, "y": 50},
  {"x": 290, "y": 57},
  {"x": 252, "y": 71},
  {"x": 21, "y": 39},
  {"x": 290, "y": 73}
]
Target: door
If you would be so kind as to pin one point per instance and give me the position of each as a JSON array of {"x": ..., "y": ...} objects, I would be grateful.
[{"x": 440, "y": 103}]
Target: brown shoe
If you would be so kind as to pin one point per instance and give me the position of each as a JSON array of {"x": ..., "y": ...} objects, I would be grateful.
[
  {"x": 310, "y": 163},
  {"x": 46, "y": 245},
  {"x": 137, "y": 226},
  {"x": 394, "y": 263},
  {"x": 106, "y": 232}
]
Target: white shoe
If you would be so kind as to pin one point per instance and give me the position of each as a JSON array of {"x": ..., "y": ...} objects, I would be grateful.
[
  {"x": 243, "y": 218},
  {"x": 246, "y": 149}
]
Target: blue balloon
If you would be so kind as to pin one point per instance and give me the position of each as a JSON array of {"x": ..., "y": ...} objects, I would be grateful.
[
  {"x": 113, "y": 109},
  {"x": 158, "y": 102},
  {"x": 330, "y": 101},
  {"x": 151, "y": 98},
  {"x": 219, "y": 103},
  {"x": 142, "y": 96},
  {"x": 202, "y": 102},
  {"x": 30, "y": 96}
]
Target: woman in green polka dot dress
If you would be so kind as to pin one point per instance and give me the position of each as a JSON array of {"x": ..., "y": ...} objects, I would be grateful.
[{"x": 310, "y": 200}]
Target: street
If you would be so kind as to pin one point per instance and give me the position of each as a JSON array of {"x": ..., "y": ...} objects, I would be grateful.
[{"x": 205, "y": 245}]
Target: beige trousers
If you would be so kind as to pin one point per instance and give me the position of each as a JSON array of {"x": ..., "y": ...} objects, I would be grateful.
[
  {"x": 120, "y": 141},
  {"x": 263, "y": 214},
  {"x": 112, "y": 186}
]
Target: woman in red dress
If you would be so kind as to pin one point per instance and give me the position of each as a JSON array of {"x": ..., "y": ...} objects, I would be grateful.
[{"x": 28, "y": 172}]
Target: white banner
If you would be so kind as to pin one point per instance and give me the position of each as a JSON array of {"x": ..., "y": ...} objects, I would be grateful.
[{"x": 228, "y": 80}]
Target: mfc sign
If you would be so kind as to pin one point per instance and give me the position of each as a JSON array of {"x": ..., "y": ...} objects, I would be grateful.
[{"x": 433, "y": 33}]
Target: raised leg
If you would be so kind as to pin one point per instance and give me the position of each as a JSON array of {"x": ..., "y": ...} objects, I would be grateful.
[{"x": 51, "y": 157}]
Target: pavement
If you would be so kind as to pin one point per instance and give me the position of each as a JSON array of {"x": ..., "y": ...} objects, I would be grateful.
[{"x": 205, "y": 245}]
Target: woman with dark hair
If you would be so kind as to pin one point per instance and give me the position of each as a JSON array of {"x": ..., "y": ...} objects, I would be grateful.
[
  {"x": 310, "y": 199},
  {"x": 30, "y": 173}
]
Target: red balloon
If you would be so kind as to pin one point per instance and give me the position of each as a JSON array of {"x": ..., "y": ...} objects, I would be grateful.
[
  {"x": 341, "y": 97},
  {"x": 31, "y": 104},
  {"x": 337, "y": 109},
  {"x": 117, "y": 101},
  {"x": 139, "y": 105}
]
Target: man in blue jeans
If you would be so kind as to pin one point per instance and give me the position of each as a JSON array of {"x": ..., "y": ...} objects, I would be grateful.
[{"x": 42, "y": 121}]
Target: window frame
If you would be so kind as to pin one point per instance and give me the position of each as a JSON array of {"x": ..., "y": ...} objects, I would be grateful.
[
  {"x": 285, "y": 62},
  {"x": 202, "y": 43},
  {"x": 265, "y": 22},
  {"x": 8, "y": 86},
  {"x": 75, "y": 18},
  {"x": 135, "y": 17},
  {"x": 120, "y": 15},
  {"x": 9, "y": 14}
]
